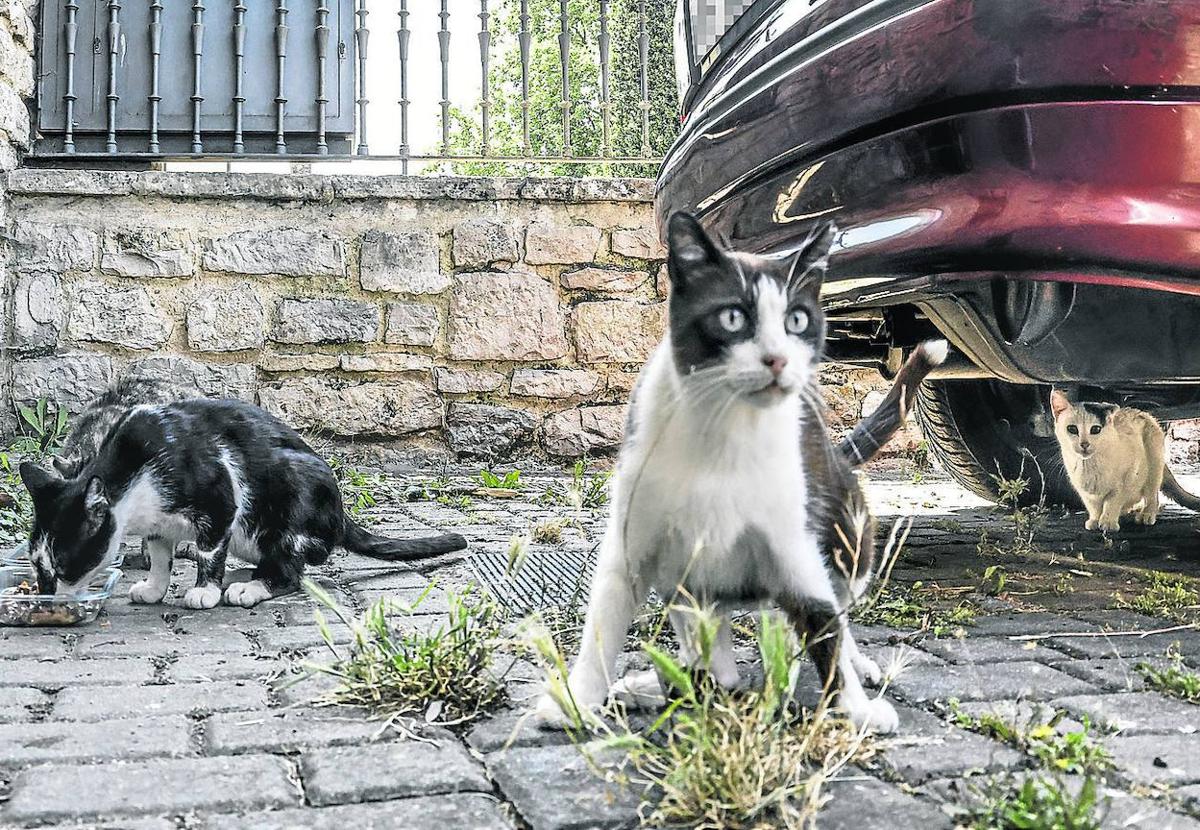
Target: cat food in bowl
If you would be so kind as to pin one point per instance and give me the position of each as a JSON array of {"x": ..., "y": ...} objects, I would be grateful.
[{"x": 21, "y": 605}]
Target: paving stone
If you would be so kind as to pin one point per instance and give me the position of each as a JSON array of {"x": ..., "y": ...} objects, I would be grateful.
[
  {"x": 393, "y": 770},
  {"x": 995, "y": 681},
  {"x": 180, "y": 698},
  {"x": 1026, "y": 623},
  {"x": 40, "y": 648},
  {"x": 870, "y": 803},
  {"x": 1153, "y": 645},
  {"x": 989, "y": 650},
  {"x": 553, "y": 788},
  {"x": 27, "y": 743},
  {"x": 1112, "y": 675},
  {"x": 1125, "y": 810},
  {"x": 1156, "y": 759},
  {"x": 290, "y": 730},
  {"x": 121, "y": 641},
  {"x": 301, "y": 637},
  {"x": 926, "y": 748},
  {"x": 1136, "y": 712},
  {"x": 17, "y": 704},
  {"x": 462, "y": 812},
  {"x": 513, "y": 729},
  {"x": 245, "y": 782},
  {"x": 192, "y": 668},
  {"x": 56, "y": 675}
]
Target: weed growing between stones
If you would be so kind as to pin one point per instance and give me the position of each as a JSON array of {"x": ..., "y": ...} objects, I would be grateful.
[
  {"x": 716, "y": 758},
  {"x": 585, "y": 491},
  {"x": 1165, "y": 595},
  {"x": 549, "y": 532},
  {"x": 1027, "y": 521},
  {"x": 361, "y": 491},
  {"x": 43, "y": 429},
  {"x": 1037, "y": 802},
  {"x": 1175, "y": 680},
  {"x": 1074, "y": 751},
  {"x": 917, "y": 608},
  {"x": 494, "y": 481},
  {"x": 447, "y": 674}
]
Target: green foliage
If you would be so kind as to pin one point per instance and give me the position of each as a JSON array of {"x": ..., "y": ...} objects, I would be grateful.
[
  {"x": 1165, "y": 595},
  {"x": 508, "y": 481},
  {"x": 1074, "y": 751},
  {"x": 722, "y": 759},
  {"x": 360, "y": 490},
  {"x": 44, "y": 429},
  {"x": 915, "y": 608},
  {"x": 1175, "y": 680},
  {"x": 584, "y": 490},
  {"x": 1038, "y": 803},
  {"x": 549, "y": 532},
  {"x": 447, "y": 674},
  {"x": 16, "y": 507},
  {"x": 584, "y": 84}
]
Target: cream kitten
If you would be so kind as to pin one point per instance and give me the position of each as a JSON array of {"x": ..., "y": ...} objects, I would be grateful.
[{"x": 1116, "y": 460}]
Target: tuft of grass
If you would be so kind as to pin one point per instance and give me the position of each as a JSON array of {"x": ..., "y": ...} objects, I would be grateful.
[
  {"x": 493, "y": 481},
  {"x": 446, "y": 674},
  {"x": 721, "y": 759},
  {"x": 1027, "y": 521},
  {"x": 1165, "y": 595},
  {"x": 1037, "y": 803},
  {"x": 1175, "y": 680},
  {"x": 549, "y": 532},
  {"x": 914, "y": 608},
  {"x": 1060, "y": 752},
  {"x": 583, "y": 491},
  {"x": 16, "y": 506},
  {"x": 361, "y": 491}
]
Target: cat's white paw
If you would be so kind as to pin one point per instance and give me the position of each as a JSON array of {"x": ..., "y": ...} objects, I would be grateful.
[
  {"x": 868, "y": 670},
  {"x": 1146, "y": 517},
  {"x": 206, "y": 596},
  {"x": 1091, "y": 524},
  {"x": 1113, "y": 525},
  {"x": 247, "y": 594},
  {"x": 146, "y": 592},
  {"x": 639, "y": 690},
  {"x": 547, "y": 712},
  {"x": 873, "y": 713}
]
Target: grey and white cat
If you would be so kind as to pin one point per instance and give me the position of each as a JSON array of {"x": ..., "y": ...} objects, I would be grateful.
[
  {"x": 1115, "y": 457},
  {"x": 727, "y": 486}
]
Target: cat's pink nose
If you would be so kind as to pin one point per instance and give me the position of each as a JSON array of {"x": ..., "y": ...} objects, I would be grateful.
[
  {"x": 1083, "y": 445},
  {"x": 775, "y": 363}
]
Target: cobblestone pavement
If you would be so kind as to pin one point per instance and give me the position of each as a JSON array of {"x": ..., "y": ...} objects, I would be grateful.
[{"x": 160, "y": 717}]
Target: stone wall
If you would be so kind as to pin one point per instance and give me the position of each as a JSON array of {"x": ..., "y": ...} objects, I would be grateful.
[{"x": 433, "y": 317}]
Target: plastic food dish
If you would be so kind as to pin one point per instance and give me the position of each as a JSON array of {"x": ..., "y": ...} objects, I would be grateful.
[{"x": 20, "y": 606}]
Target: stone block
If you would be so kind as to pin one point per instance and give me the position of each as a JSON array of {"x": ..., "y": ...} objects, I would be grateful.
[
  {"x": 412, "y": 324},
  {"x": 147, "y": 254},
  {"x": 551, "y": 244},
  {"x": 105, "y": 704},
  {"x": 195, "y": 379},
  {"x": 275, "y": 362},
  {"x": 369, "y": 773},
  {"x": 38, "y": 245},
  {"x": 325, "y": 321},
  {"x": 466, "y": 381},
  {"x": 618, "y": 332},
  {"x": 467, "y": 811},
  {"x": 479, "y": 243},
  {"x": 403, "y": 262},
  {"x": 38, "y": 310},
  {"x": 554, "y": 383},
  {"x": 554, "y": 788},
  {"x": 146, "y": 737},
  {"x": 226, "y": 320},
  {"x": 611, "y": 280},
  {"x": 505, "y": 317},
  {"x": 578, "y": 432},
  {"x": 489, "y": 432},
  {"x": 1018, "y": 679},
  {"x": 288, "y": 252},
  {"x": 125, "y": 316},
  {"x": 385, "y": 362},
  {"x": 391, "y": 409},
  {"x": 70, "y": 380},
  {"x": 638, "y": 243}
]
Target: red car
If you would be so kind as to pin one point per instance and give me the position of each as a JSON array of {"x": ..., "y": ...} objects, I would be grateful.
[{"x": 1022, "y": 176}]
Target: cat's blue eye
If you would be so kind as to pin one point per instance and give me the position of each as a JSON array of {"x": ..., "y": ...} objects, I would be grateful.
[
  {"x": 1095, "y": 430},
  {"x": 1072, "y": 429},
  {"x": 797, "y": 321},
  {"x": 732, "y": 319}
]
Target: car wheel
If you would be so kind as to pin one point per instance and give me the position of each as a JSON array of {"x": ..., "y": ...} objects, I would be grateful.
[{"x": 982, "y": 430}]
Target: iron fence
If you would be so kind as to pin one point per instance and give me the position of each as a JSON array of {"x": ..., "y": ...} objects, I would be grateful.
[{"x": 128, "y": 81}]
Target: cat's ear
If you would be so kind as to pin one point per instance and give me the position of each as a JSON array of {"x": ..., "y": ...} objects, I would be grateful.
[
  {"x": 95, "y": 503},
  {"x": 812, "y": 260},
  {"x": 689, "y": 249},
  {"x": 1058, "y": 403},
  {"x": 37, "y": 479}
]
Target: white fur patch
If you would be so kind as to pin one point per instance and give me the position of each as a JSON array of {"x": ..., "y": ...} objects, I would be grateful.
[
  {"x": 247, "y": 594},
  {"x": 200, "y": 597},
  {"x": 936, "y": 351},
  {"x": 242, "y": 544}
]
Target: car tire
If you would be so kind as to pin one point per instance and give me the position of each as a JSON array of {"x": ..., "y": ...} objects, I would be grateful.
[{"x": 980, "y": 429}]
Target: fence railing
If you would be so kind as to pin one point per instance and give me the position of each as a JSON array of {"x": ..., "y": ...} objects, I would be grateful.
[{"x": 144, "y": 80}]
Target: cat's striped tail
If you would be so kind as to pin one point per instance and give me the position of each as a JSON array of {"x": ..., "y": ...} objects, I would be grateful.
[
  {"x": 874, "y": 431},
  {"x": 1175, "y": 492},
  {"x": 357, "y": 539}
]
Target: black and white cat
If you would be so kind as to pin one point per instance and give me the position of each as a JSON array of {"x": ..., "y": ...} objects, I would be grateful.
[
  {"x": 220, "y": 473},
  {"x": 727, "y": 485}
]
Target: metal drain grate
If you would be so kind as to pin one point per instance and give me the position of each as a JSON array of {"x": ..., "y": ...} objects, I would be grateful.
[{"x": 546, "y": 579}]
